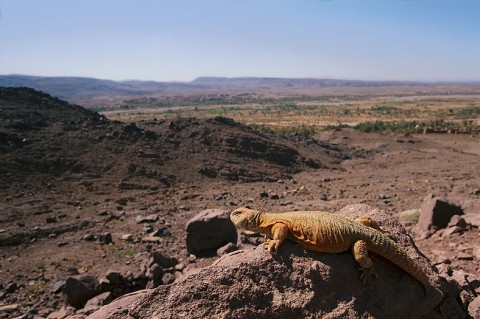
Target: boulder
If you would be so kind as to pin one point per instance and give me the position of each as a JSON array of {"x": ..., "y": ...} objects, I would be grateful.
[
  {"x": 80, "y": 289},
  {"x": 210, "y": 230},
  {"x": 435, "y": 214},
  {"x": 296, "y": 283},
  {"x": 474, "y": 308}
]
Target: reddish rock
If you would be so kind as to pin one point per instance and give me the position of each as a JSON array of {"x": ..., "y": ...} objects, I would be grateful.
[
  {"x": 436, "y": 214},
  {"x": 296, "y": 283},
  {"x": 210, "y": 230}
]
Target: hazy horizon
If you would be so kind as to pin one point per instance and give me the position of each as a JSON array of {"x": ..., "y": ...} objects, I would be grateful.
[{"x": 181, "y": 40}]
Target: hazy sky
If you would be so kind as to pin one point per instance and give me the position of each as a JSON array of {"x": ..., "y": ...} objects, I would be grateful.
[{"x": 179, "y": 40}]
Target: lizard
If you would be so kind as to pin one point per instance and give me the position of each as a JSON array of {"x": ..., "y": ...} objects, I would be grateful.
[{"x": 330, "y": 233}]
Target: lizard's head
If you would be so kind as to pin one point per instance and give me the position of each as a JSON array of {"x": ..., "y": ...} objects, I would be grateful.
[{"x": 246, "y": 218}]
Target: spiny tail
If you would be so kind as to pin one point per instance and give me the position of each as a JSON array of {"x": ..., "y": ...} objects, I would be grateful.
[{"x": 387, "y": 248}]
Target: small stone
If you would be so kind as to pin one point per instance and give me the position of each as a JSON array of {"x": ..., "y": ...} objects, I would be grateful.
[
  {"x": 62, "y": 243},
  {"x": 151, "y": 239},
  {"x": 11, "y": 287},
  {"x": 274, "y": 196},
  {"x": 147, "y": 228},
  {"x": 323, "y": 196},
  {"x": 452, "y": 230},
  {"x": 179, "y": 267},
  {"x": 9, "y": 308},
  {"x": 58, "y": 286},
  {"x": 127, "y": 237},
  {"x": 146, "y": 219},
  {"x": 51, "y": 220},
  {"x": 263, "y": 194},
  {"x": 168, "y": 279},
  {"x": 464, "y": 256},
  {"x": 105, "y": 238},
  {"x": 88, "y": 237},
  {"x": 228, "y": 248},
  {"x": 155, "y": 271},
  {"x": 164, "y": 231}
]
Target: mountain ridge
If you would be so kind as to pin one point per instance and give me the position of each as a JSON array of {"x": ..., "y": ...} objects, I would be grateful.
[{"x": 85, "y": 90}]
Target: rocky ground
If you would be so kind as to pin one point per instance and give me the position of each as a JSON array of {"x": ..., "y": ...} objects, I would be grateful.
[{"x": 92, "y": 209}]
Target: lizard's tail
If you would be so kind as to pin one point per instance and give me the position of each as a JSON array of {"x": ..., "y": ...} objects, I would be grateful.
[{"x": 387, "y": 248}]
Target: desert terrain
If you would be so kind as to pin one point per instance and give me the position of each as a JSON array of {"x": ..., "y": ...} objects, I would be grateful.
[{"x": 101, "y": 195}]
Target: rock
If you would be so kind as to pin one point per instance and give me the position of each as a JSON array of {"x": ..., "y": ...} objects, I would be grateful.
[
  {"x": 210, "y": 230},
  {"x": 61, "y": 314},
  {"x": 228, "y": 248},
  {"x": 155, "y": 272},
  {"x": 100, "y": 300},
  {"x": 464, "y": 256},
  {"x": 51, "y": 220},
  {"x": 435, "y": 214},
  {"x": 274, "y": 196},
  {"x": 323, "y": 197},
  {"x": 11, "y": 287},
  {"x": 8, "y": 308},
  {"x": 147, "y": 228},
  {"x": 409, "y": 217},
  {"x": 58, "y": 286},
  {"x": 476, "y": 252},
  {"x": 127, "y": 237},
  {"x": 458, "y": 221},
  {"x": 264, "y": 194},
  {"x": 165, "y": 262},
  {"x": 79, "y": 290},
  {"x": 162, "y": 232},
  {"x": 296, "y": 283},
  {"x": 168, "y": 278},
  {"x": 88, "y": 237},
  {"x": 474, "y": 308},
  {"x": 151, "y": 239},
  {"x": 105, "y": 238},
  {"x": 114, "y": 277},
  {"x": 146, "y": 219},
  {"x": 452, "y": 230}
]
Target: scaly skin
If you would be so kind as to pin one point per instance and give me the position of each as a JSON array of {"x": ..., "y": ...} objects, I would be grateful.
[{"x": 329, "y": 233}]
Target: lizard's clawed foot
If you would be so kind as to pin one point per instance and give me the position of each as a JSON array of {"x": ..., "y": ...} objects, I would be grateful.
[
  {"x": 368, "y": 275},
  {"x": 272, "y": 245}
]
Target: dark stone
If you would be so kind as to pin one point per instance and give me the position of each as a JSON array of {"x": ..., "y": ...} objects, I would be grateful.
[
  {"x": 105, "y": 238},
  {"x": 80, "y": 289},
  {"x": 210, "y": 230}
]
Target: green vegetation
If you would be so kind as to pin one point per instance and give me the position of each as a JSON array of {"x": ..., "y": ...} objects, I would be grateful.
[
  {"x": 40, "y": 264},
  {"x": 126, "y": 252},
  {"x": 404, "y": 127},
  {"x": 302, "y": 130}
]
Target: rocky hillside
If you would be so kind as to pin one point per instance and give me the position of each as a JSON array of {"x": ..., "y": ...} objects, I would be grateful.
[{"x": 45, "y": 139}]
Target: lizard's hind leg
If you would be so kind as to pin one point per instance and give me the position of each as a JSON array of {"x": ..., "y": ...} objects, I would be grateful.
[
  {"x": 370, "y": 222},
  {"x": 360, "y": 252}
]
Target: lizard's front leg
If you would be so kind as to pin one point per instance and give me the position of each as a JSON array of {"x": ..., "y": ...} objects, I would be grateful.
[
  {"x": 360, "y": 252},
  {"x": 279, "y": 233}
]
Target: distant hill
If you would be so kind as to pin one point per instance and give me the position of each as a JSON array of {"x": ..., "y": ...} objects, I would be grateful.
[{"x": 90, "y": 91}]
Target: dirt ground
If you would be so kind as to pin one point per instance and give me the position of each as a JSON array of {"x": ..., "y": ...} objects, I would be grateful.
[{"x": 80, "y": 174}]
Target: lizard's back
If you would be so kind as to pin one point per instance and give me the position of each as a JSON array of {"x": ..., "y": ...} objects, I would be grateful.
[
  {"x": 321, "y": 231},
  {"x": 333, "y": 233}
]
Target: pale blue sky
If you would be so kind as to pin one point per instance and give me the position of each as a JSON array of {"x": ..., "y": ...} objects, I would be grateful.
[{"x": 179, "y": 40}]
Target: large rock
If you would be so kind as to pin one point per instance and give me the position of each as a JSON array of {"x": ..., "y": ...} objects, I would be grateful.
[
  {"x": 296, "y": 283},
  {"x": 80, "y": 289},
  {"x": 209, "y": 230},
  {"x": 435, "y": 214}
]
